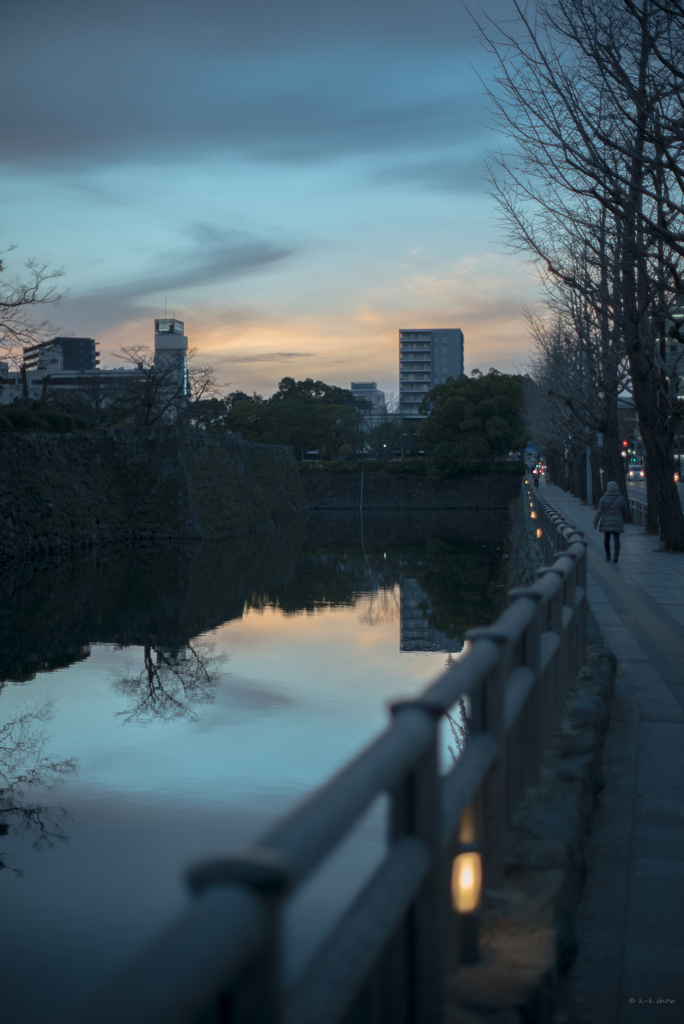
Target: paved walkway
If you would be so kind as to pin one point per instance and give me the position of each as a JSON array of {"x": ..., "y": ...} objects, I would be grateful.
[{"x": 632, "y": 917}]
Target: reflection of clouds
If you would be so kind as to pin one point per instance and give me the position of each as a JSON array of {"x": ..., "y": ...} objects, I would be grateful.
[
  {"x": 244, "y": 700},
  {"x": 251, "y": 695},
  {"x": 24, "y": 763}
]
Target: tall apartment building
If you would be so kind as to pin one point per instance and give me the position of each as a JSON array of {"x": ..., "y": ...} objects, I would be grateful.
[{"x": 426, "y": 358}]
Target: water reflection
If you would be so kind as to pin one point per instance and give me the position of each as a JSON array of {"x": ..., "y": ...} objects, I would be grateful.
[
  {"x": 172, "y": 682},
  {"x": 162, "y": 597},
  {"x": 445, "y": 587},
  {"x": 25, "y": 764},
  {"x": 203, "y": 689}
]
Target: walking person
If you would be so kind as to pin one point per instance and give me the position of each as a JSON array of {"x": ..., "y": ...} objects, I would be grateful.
[{"x": 610, "y": 518}]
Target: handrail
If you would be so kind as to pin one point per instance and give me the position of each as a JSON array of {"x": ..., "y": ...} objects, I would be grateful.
[
  {"x": 639, "y": 510},
  {"x": 222, "y": 959}
]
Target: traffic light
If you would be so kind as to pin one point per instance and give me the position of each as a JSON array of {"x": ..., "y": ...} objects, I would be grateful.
[{"x": 625, "y": 444}]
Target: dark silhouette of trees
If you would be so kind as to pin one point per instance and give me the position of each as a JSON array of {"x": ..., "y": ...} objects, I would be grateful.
[
  {"x": 472, "y": 421},
  {"x": 307, "y": 414}
]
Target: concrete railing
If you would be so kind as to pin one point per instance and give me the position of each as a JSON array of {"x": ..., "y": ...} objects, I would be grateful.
[{"x": 388, "y": 957}]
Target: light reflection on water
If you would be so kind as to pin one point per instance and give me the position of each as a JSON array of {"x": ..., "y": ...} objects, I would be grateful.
[{"x": 183, "y": 697}]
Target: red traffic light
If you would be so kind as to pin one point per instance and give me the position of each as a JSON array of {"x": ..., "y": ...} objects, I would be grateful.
[{"x": 625, "y": 443}]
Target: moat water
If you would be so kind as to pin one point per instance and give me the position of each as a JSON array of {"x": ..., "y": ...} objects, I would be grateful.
[{"x": 163, "y": 704}]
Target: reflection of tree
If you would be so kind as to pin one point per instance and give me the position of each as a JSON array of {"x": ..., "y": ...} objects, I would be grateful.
[
  {"x": 381, "y": 606},
  {"x": 24, "y": 763},
  {"x": 172, "y": 682},
  {"x": 458, "y": 726},
  {"x": 463, "y": 583},
  {"x": 328, "y": 577}
]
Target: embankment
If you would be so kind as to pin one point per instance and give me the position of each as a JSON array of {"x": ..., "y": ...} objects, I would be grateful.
[{"x": 60, "y": 492}]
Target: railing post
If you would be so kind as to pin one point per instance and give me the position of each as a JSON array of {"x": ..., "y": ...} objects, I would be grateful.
[
  {"x": 581, "y": 581},
  {"x": 556, "y": 671},
  {"x": 256, "y": 997},
  {"x": 489, "y": 715},
  {"x": 532, "y": 718},
  {"x": 416, "y": 811}
]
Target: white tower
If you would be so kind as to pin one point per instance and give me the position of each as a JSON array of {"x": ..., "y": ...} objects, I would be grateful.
[{"x": 171, "y": 352}]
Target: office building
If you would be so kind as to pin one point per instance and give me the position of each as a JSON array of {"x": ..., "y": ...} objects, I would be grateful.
[
  {"x": 427, "y": 357},
  {"x": 60, "y": 354},
  {"x": 73, "y": 363}
]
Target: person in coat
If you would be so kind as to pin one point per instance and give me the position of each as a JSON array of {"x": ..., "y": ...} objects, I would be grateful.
[{"x": 610, "y": 518}]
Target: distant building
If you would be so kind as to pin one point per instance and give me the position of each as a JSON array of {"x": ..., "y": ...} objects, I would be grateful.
[
  {"x": 61, "y": 354},
  {"x": 427, "y": 357},
  {"x": 68, "y": 363},
  {"x": 368, "y": 399}
]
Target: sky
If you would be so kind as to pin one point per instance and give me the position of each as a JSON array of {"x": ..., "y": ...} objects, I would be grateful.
[{"x": 296, "y": 181}]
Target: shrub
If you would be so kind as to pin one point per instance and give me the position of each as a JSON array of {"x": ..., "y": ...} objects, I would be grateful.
[
  {"x": 55, "y": 421},
  {"x": 415, "y": 466},
  {"x": 22, "y": 419}
]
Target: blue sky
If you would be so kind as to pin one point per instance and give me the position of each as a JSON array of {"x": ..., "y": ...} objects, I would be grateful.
[{"x": 297, "y": 180}]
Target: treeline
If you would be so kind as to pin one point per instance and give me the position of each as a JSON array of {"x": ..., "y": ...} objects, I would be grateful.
[
  {"x": 590, "y": 97},
  {"x": 470, "y": 422},
  {"x": 308, "y": 414}
]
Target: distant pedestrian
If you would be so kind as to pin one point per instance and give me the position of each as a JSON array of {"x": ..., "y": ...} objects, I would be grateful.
[{"x": 611, "y": 515}]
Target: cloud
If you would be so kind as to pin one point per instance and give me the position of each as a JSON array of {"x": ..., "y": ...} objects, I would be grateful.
[
  {"x": 208, "y": 257},
  {"x": 268, "y": 357},
  {"x": 216, "y": 256},
  {"x": 298, "y": 81}
]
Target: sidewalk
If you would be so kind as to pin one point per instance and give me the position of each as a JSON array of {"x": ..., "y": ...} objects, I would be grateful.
[{"x": 631, "y": 920}]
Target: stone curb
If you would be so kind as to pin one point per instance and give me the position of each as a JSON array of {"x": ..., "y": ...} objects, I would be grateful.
[{"x": 529, "y": 924}]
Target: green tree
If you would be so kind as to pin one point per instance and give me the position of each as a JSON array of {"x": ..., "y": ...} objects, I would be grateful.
[
  {"x": 307, "y": 414},
  {"x": 472, "y": 421}
]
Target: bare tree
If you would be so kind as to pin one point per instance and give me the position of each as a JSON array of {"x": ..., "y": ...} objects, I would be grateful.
[
  {"x": 590, "y": 94},
  {"x": 20, "y": 325},
  {"x": 161, "y": 390}
]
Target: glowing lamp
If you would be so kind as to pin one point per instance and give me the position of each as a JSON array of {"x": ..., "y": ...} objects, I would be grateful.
[
  {"x": 539, "y": 531},
  {"x": 466, "y": 882},
  {"x": 533, "y": 515}
]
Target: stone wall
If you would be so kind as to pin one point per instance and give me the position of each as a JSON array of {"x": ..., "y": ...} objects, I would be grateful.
[
  {"x": 327, "y": 489},
  {"x": 60, "y": 492}
]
